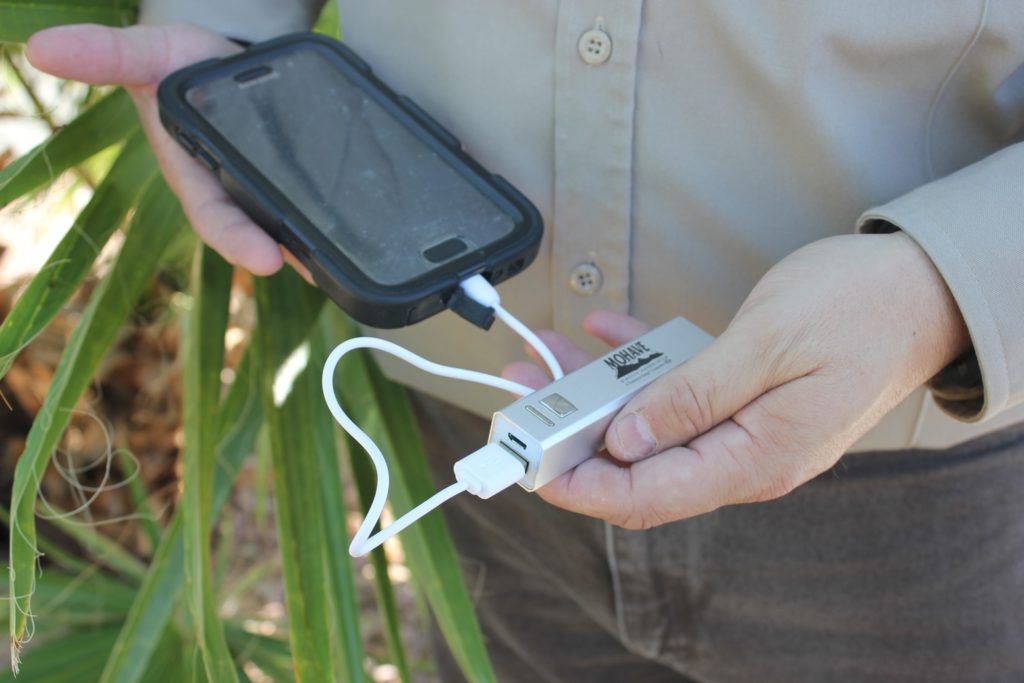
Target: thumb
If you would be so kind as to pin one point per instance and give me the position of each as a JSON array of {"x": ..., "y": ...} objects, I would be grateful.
[{"x": 706, "y": 390}]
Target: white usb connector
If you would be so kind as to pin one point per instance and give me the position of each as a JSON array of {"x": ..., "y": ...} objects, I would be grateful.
[
  {"x": 484, "y": 472},
  {"x": 489, "y": 470},
  {"x": 481, "y": 291}
]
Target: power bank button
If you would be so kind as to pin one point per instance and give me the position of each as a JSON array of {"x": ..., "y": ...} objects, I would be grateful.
[{"x": 558, "y": 404}]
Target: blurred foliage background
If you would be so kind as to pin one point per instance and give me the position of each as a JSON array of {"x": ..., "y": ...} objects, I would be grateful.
[{"x": 177, "y": 501}]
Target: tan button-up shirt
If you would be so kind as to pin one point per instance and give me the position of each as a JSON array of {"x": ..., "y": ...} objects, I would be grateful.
[{"x": 678, "y": 149}]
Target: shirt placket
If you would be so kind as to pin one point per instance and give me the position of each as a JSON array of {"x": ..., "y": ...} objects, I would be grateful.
[{"x": 595, "y": 89}]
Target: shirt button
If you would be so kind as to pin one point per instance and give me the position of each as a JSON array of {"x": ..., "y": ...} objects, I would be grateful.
[
  {"x": 595, "y": 47},
  {"x": 585, "y": 279}
]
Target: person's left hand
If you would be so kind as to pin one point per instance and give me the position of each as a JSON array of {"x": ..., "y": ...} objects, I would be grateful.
[{"x": 831, "y": 338}]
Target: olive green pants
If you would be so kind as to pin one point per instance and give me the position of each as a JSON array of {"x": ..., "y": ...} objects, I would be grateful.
[{"x": 892, "y": 566}]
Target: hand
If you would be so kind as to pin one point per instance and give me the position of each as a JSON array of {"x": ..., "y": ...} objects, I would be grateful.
[
  {"x": 831, "y": 338},
  {"x": 138, "y": 58}
]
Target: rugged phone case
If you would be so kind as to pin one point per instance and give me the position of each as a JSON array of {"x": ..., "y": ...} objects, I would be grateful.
[{"x": 365, "y": 299}]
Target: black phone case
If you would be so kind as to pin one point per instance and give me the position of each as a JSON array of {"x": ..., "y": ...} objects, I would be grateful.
[{"x": 364, "y": 299}]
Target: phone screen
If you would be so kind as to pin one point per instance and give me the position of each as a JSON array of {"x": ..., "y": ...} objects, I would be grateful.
[{"x": 384, "y": 197}]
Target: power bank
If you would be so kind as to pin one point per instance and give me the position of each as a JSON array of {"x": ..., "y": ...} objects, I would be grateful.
[{"x": 559, "y": 426}]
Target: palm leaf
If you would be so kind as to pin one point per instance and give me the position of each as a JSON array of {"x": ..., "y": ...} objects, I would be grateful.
[
  {"x": 52, "y": 551},
  {"x": 148, "y": 620},
  {"x": 387, "y": 605},
  {"x": 70, "y": 262},
  {"x": 173, "y": 660},
  {"x": 204, "y": 358},
  {"x": 152, "y": 228},
  {"x": 108, "y": 121},
  {"x": 270, "y": 654},
  {"x": 130, "y": 468},
  {"x": 89, "y": 600},
  {"x": 430, "y": 548},
  {"x": 339, "y": 566},
  {"x": 103, "y": 548},
  {"x": 383, "y": 409},
  {"x": 294, "y": 413},
  {"x": 73, "y": 658},
  {"x": 21, "y": 18}
]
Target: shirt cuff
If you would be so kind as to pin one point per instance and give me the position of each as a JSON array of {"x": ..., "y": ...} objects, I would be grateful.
[
  {"x": 971, "y": 225},
  {"x": 248, "y": 20}
]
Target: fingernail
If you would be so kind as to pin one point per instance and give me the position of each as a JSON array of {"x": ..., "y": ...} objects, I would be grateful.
[{"x": 636, "y": 440}]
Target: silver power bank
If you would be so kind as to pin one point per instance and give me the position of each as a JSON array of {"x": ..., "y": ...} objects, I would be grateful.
[{"x": 559, "y": 426}]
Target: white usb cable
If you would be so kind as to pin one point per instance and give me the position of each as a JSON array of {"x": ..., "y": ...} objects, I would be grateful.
[{"x": 483, "y": 473}]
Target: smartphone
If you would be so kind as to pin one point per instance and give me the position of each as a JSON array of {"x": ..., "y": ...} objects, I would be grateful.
[{"x": 378, "y": 200}]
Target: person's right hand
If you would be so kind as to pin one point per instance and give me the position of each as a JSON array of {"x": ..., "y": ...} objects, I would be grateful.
[{"x": 138, "y": 58}]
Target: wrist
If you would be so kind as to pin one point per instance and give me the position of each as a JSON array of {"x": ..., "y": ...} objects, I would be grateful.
[{"x": 938, "y": 332}]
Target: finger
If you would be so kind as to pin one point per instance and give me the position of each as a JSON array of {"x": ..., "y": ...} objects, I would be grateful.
[
  {"x": 535, "y": 374},
  {"x": 675, "y": 484},
  {"x": 526, "y": 373},
  {"x": 773, "y": 445},
  {"x": 138, "y": 56},
  {"x": 221, "y": 224},
  {"x": 782, "y": 439},
  {"x": 630, "y": 495},
  {"x": 567, "y": 353},
  {"x": 614, "y": 329},
  {"x": 691, "y": 399},
  {"x": 214, "y": 216}
]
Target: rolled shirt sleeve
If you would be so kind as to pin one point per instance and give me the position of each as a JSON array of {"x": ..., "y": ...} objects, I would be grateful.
[
  {"x": 251, "y": 20},
  {"x": 971, "y": 225}
]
